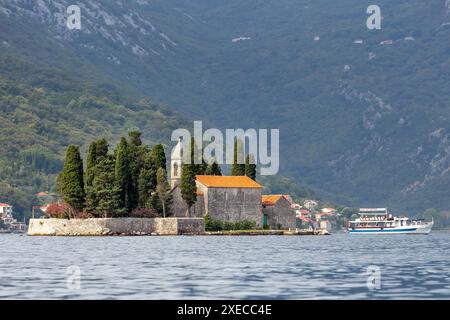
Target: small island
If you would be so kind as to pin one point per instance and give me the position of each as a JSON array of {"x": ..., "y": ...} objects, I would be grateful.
[{"x": 128, "y": 192}]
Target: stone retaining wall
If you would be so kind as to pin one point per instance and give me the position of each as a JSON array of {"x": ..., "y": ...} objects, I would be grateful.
[{"x": 116, "y": 226}]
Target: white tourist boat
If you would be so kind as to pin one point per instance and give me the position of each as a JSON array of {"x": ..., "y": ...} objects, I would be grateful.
[{"x": 380, "y": 221}]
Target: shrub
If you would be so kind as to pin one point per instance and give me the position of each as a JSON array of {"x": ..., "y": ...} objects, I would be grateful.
[
  {"x": 218, "y": 225},
  {"x": 83, "y": 215},
  {"x": 144, "y": 213},
  {"x": 213, "y": 225}
]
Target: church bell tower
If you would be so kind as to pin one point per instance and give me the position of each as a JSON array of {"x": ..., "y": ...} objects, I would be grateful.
[{"x": 176, "y": 163}]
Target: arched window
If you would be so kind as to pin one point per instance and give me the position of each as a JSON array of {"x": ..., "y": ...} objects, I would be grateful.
[{"x": 175, "y": 170}]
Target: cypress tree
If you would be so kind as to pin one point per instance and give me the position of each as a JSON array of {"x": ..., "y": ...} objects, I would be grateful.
[
  {"x": 146, "y": 181},
  {"x": 250, "y": 167},
  {"x": 122, "y": 174},
  {"x": 158, "y": 157},
  {"x": 200, "y": 167},
  {"x": 188, "y": 186},
  {"x": 101, "y": 149},
  {"x": 135, "y": 138},
  {"x": 71, "y": 179},
  {"x": 162, "y": 188},
  {"x": 213, "y": 169},
  {"x": 97, "y": 151},
  {"x": 106, "y": 190},
  {"x": 89, "y": 178},
  {"x": 90, "y": 164},
  {"x": 136, "y": 156},
  {"x": 238, "y": 169},
  {"x": 156, "y": 160}
]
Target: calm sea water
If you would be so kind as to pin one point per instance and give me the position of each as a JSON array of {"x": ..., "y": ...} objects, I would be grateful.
[{"x": 253, "y": 267}]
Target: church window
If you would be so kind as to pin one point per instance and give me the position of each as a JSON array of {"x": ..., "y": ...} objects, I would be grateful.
[{"x": 175, "y": 169}]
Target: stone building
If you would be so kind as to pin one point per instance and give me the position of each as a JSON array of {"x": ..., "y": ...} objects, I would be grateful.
[
  {"x": 231, "y": 198},
  {"x": 228, "y": 198},
  {"x": 277, "y": 212}
]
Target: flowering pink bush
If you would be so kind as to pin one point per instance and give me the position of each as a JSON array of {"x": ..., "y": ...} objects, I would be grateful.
[{"x": 59, "y": 211}]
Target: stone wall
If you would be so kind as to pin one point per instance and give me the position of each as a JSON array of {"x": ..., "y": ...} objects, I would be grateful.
[
  {"x": 116, "y": 226},
  {"x": 233, "y": 204},
  {"x": 280, "y": 214}
]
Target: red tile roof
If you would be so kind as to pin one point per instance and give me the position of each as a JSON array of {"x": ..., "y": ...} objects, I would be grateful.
[
  {"x": 228, "y": 182},
  {"x": 270, "y": 199},
  {"x": 305, "y": 219}
]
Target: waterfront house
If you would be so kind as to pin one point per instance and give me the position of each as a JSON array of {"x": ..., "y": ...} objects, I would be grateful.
[
  {"x": 231, "y": 198},
  {"x": 277, "y": 212},
  {"x": 6, "y": 216},
  {"x": 6, "y": 213}
]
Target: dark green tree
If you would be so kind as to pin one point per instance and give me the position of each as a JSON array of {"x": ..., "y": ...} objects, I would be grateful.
[
  {"x": 154, "y": 160},
  {"x": 71, "y": 179},
  {"x": 146, "y": 182},
  {"x": 101, "y": 149},
  {"x": 97, "y": 151},
  {"x": 123, "y": 174},
  {"x": 238, "y": 167},
  {"x": 162, "y": 188},
  {"x": 198, "y": 164},
  {"x": 134, "y": 138},
  {"x": 250, "y": 167},
  {"x": 90, "y": 164},
  {"x": 107, "y": 191},
  {"x": 158, "y": 157},
  {"x": 213, "y": 169},
  {"x": 91, "y": 202},
  {"x": 188, "y": 186},
  {"x": 136, "y": 157}
]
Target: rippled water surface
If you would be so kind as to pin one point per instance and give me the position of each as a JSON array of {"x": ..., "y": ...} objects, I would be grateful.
[{"x": 256, "y": 267}]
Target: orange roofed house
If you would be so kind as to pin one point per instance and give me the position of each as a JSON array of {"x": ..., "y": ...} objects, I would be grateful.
[
  {"x": 226, "y": 198},
  {"x": 231, "y": 198},
  {"x": 277, "y": 212}
]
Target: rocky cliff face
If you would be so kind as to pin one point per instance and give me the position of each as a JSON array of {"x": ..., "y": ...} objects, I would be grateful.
[
  {"x": 123, "y": 26},
  {"x": 431, "y": 158}
]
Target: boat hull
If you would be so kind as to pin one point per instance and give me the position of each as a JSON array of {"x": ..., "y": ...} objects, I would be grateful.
[{"x": 420, "y": 229}]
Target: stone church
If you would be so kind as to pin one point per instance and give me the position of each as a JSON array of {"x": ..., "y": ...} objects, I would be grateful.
[{"x": 227, "y": 198}]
